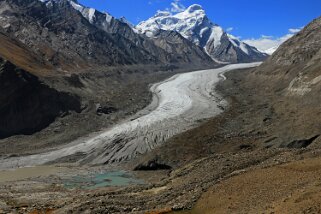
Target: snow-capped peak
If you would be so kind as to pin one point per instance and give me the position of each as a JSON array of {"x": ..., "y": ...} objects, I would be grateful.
[
  {"x": 184, "y": 22},
  {"x": 191, "y": 24},
  {"x": 194, "y": 25}
]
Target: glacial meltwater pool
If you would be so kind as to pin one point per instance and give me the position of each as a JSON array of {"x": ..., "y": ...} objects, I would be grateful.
[{"x": 99, "y": 180}]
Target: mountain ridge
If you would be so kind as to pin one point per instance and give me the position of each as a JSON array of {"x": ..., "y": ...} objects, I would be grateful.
[
  {"x": 213, "y": 40},
  {"x": 71, "y": 40}
]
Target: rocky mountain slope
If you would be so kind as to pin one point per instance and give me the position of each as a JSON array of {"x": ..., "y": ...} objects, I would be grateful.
[
  {"x": 61, "y": 35},
  {"x": 20, "y": 55},
  {"x": 194, "y": 25},
  {"x": 297, "y": 62},
  {"x": 290, "y": 82}
]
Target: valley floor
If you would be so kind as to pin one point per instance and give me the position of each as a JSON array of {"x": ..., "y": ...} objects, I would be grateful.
[
  {"x": 226, "y": 165},
  {"x": 179, "y": 103}
]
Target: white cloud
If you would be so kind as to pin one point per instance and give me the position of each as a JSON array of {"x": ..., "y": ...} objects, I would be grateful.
[
  {"x": 295, "y": 30},
  {"x": 266, "y": 37},
  {"x": 270, "y": 43},
  {"x": 229, "y": 29},
  {"x": 177, "y": 6}
]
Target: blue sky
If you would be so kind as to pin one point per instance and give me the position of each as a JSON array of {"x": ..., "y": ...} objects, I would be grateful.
[{"x": 249, "y": 19}]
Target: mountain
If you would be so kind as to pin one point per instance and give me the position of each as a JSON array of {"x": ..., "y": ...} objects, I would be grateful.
[
  {"x": 71, "y": 37},
  {"x": 80, "y": 58},
  {"x": 298, "y": 60},
  {"x": 289, "y": 82},
  {"x": 63, "y": 37},
  {"x": 194, "y": 25},
  {"x": 167, "y": 49}
]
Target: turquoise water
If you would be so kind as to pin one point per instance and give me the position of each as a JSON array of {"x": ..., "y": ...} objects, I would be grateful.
[{"x": 94, "y": 181}]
